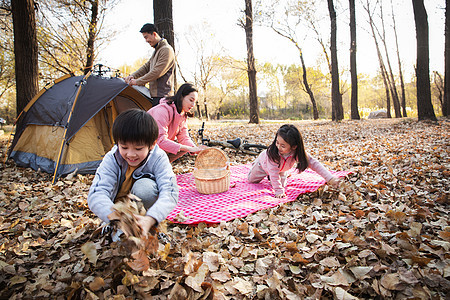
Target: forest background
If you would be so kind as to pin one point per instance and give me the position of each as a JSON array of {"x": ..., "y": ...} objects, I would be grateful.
[{"x": 210, "y": 48}]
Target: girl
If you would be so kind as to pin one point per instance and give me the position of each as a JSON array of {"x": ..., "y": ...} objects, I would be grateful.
[
  {"x": 286, "y": 150},
  {"x": 171, "y": 116}
]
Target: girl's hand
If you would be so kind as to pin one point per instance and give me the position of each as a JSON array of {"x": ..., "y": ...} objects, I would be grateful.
[
  {"x": 335, "y": 182},
  {"x": 145, "y": 222},
  {"x": 280, "y": 195}
]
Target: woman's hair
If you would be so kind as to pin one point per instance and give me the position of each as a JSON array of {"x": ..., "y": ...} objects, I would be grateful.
[
  {"x": 293, "y": 137},
  {"x": 182, "y": 92},
  {"x": 135, "y": 126}
]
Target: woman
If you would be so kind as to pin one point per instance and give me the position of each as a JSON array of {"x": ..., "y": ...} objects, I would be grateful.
[{"x": 171, "y": 116}]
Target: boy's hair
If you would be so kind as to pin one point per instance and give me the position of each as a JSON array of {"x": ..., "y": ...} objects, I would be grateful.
[
  {"x": 184, "y": 90},
  {"x": 293, "y": 137},
  {"x": 135, "y": 126},
  {"x": 149, "y": 28}
]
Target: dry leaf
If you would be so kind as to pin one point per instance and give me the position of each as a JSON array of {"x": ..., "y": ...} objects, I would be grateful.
[
  {"x": 96, "y": 284},
  {"x": 90, "y": 250}
]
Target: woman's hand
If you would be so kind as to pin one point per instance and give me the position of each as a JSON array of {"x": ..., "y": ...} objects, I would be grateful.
[
  {"x": 335, "y": 182},
  {"x": 198, "y": 148},
  {"x": 194, "y": 149},
  {"x": 280, "y": 195},
  {"x": 145, "y": 222}
]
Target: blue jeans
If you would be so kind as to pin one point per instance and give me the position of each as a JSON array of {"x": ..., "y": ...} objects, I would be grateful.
[{"x": 147, "y": 190}]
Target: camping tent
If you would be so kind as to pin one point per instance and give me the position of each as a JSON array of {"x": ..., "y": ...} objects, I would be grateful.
[
  {"x": 378, "y": 114},
  {"x": 66, "y": 127}
]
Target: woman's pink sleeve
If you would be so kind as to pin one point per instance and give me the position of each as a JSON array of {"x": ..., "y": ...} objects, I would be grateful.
[
  {"x": 162, "y": 118},
  {"x": 183, "y": 136}
]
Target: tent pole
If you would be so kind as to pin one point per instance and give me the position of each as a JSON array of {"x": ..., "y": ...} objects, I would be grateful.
[{"x": 58, "y": 161}]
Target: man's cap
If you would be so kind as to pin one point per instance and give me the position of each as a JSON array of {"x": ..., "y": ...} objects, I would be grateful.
[{"x": 148, "y": 28}]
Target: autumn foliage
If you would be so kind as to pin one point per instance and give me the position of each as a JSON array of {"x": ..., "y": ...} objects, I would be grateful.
[{"x": 384, "y": 234}]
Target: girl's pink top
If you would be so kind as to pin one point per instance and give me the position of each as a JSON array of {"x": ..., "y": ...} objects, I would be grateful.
[
  {"x": 273, "y": 169},
  {"x": 171, "y": 126}
]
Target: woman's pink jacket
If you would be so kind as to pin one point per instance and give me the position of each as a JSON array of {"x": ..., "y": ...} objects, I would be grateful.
[{"x": 172, "y": 126}]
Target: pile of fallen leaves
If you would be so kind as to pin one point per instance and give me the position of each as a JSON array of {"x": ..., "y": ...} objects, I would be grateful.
[{"x": 384, "y": 234}]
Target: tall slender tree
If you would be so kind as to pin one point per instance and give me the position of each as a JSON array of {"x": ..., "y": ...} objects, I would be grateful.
[
  {"x": 389, "y": 74},
  {"x": 400, "y": 71},
  {"x": 305, "y": 82},
  {"x": 353, "y": 72},
  {"x": 337, "y": 111},
  {"x": 25, "y": 52},
  {"x": 251, "y": 68},
  {"x": 286, "y": 23},
  {"x": 380, "y": 58},
  {"x": 71, "y": 35},
  {"x": 446, "y": 104},
  {"x": 92, "y": 33},
  {"x": 425, "y": 109}
]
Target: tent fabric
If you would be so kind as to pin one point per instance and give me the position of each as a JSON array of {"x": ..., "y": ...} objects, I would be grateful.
[
  {"x": 242, "y": 199},
  {"x": 75, "y": 114}
]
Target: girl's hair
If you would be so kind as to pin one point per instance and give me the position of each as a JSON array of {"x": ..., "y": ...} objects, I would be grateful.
[
  {"x": 293, "y": 137},
  {"x": 135, "y": 126},
  {"x": 182, "y": 92}
]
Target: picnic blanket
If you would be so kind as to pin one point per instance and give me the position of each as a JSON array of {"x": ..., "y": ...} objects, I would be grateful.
[{"x": 242, "y": 199}]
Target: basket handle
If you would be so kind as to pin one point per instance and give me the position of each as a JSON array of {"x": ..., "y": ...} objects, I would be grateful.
[{"x": 227, "y": 167}]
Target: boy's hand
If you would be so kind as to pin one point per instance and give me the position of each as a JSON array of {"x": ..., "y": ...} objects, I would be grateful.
[
  {"x": 335, "y": 182},
  {"x": 145, "y": 222}
]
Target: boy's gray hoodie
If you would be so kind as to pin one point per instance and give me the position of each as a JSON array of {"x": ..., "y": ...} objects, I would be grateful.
[{"x": 111, "y": 173}]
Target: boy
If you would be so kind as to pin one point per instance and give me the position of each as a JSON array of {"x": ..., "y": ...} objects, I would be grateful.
[{"x": 138, "y": 166}]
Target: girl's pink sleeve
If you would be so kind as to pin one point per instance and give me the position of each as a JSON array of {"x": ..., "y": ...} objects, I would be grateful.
[
  {"x": 274, "y": 174},
  {"x": 162, "y": 118},
  {"x": 317, "y": 167}
]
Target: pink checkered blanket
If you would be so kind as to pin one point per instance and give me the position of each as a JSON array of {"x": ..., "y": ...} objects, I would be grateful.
[{"x": 242, "y": 199}]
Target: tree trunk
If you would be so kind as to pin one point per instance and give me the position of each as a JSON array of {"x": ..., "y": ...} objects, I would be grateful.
[
  {"x": 305, "y": 77},
  {"x": 390, "y": 75},
  {"x": 439, "y": 85},
  {"x": 380, "y": 60},
  {"x": 25, "y": 52},
  {"x": 162, "y": 14},
  {"x": 424, "y": 107},
  {"x": 386, "y": 86},
  {"x": 92, "y": 35},
  {"x": 308, "y": 88},
  {"x": 251, "y": 69},
  {"x": 206, "y": 109},
  {"x": 400, "y": 71},
  {"x": 446, "y": 104},
  {"x": 353, "y": 72},
  {"x": 199, "y": 111},
  {"x": 336, "y": 97}
]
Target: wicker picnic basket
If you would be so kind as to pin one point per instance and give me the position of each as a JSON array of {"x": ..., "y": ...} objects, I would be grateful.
[{"x": 212, "y": 172}]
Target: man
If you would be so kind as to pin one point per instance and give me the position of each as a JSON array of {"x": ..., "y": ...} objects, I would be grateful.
[{"x": 158, "y": 71}]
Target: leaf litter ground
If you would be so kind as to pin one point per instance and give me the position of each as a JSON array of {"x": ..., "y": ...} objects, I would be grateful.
[{"x": 384, "y": 234}]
